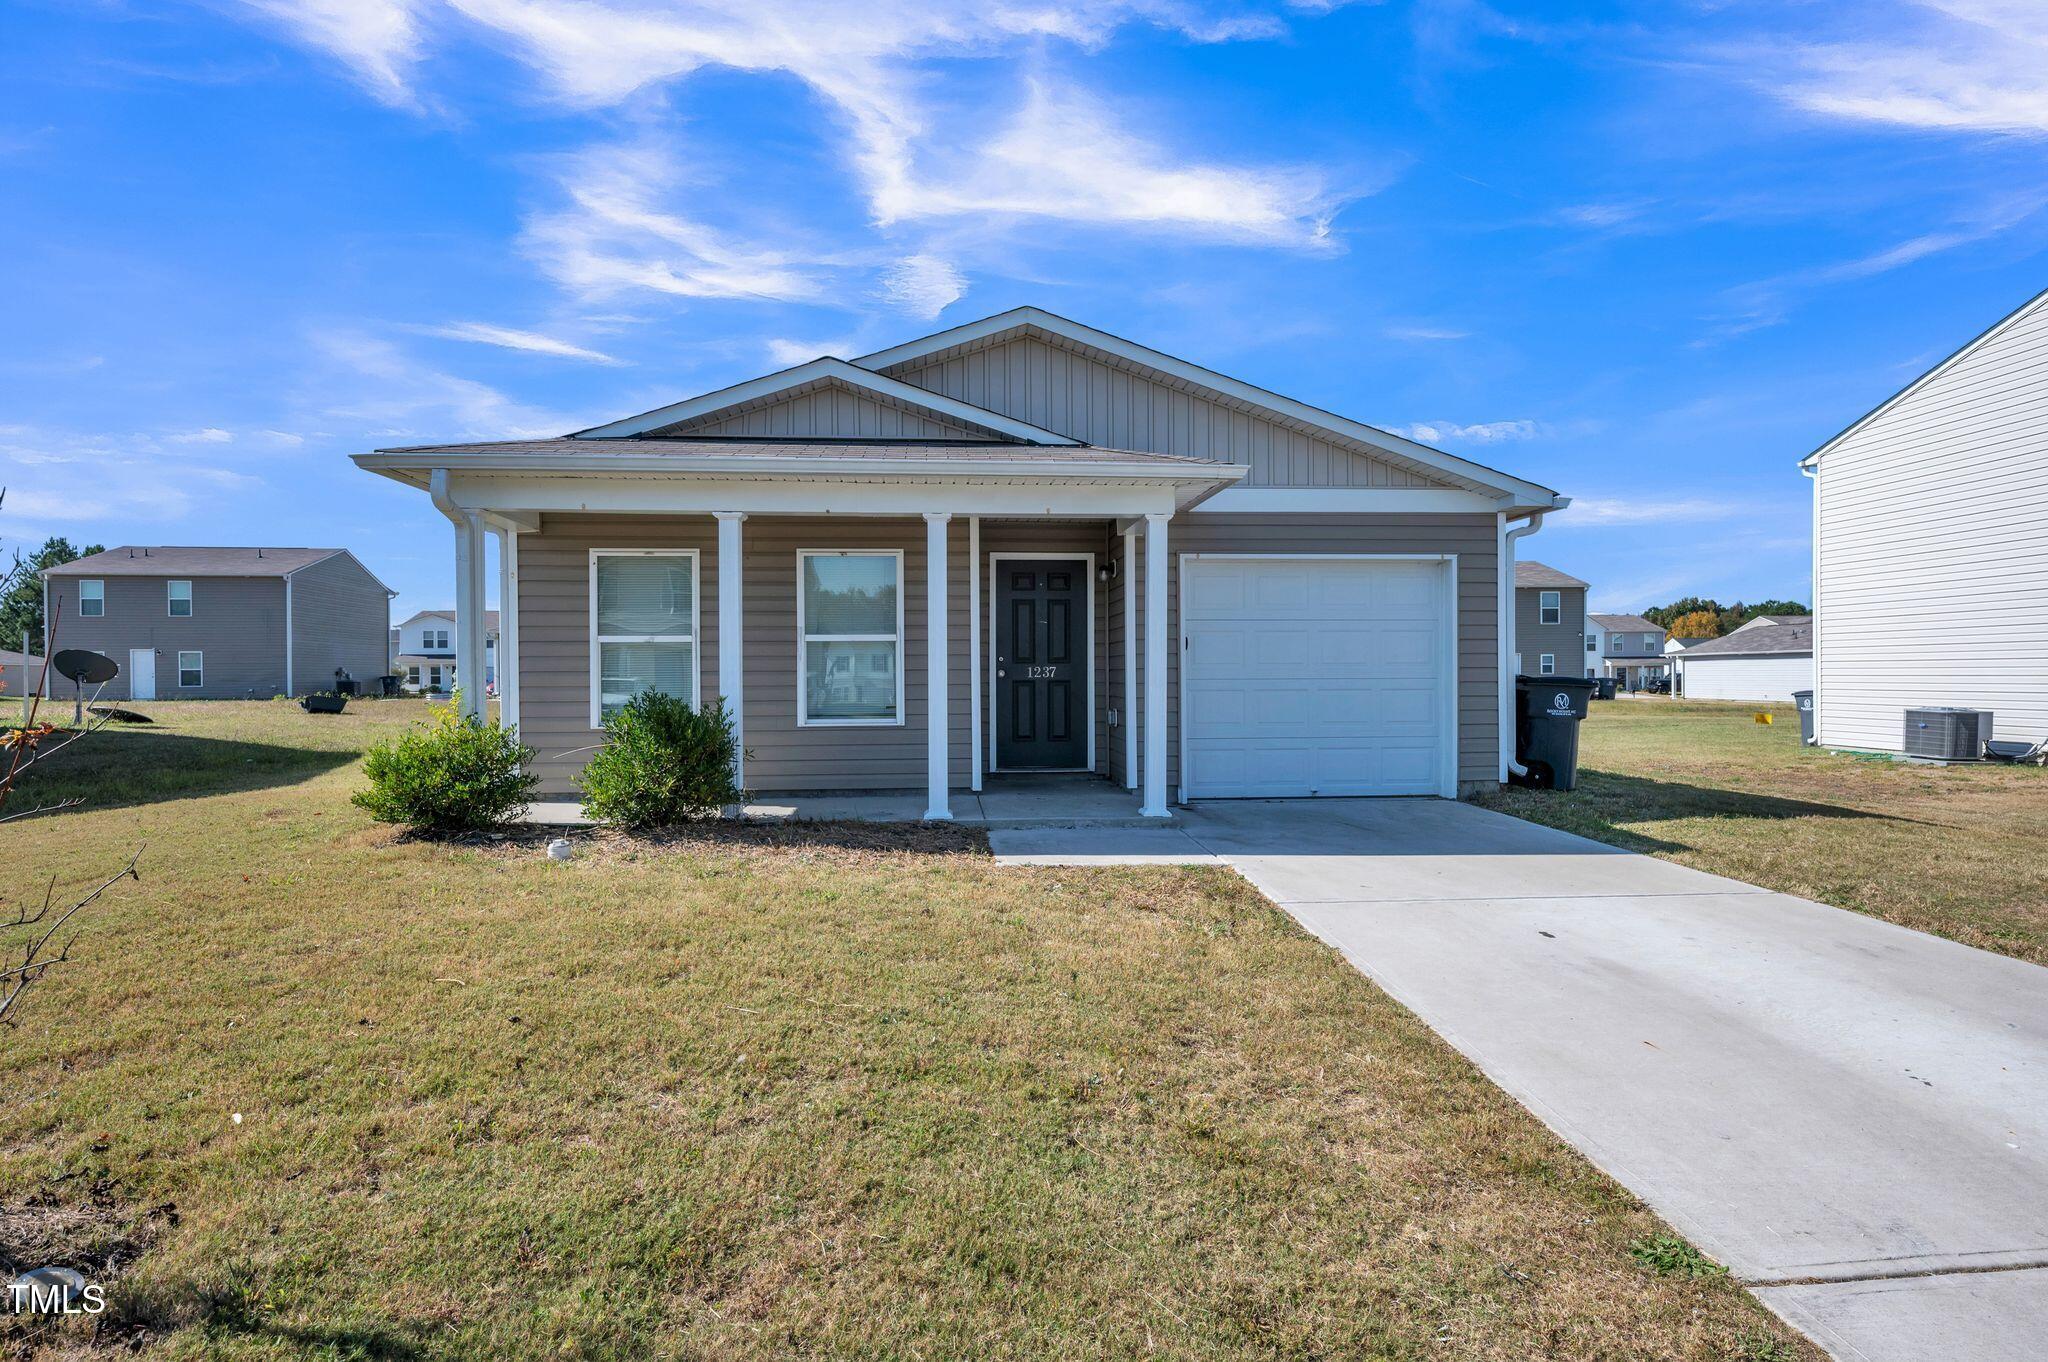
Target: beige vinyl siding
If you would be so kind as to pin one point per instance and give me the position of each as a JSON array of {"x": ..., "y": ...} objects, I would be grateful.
[
  {"x": 554, "y": 628},
  {"x": 826, "y": 411},
  {"x": 1566, "y": 639},
  {"x": 237, "y": 622},
  {"x": 1088, "y": 399},
  {"x": 1931, "y": 552},
  {"x": 1473, "y": 538},
  {"x": 341, "y": 618}
]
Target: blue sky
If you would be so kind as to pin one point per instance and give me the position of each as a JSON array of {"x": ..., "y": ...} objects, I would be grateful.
[{"x": 1647, "y": 254}]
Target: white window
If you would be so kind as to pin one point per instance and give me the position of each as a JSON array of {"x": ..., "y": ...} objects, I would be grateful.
[
  {"x": 1650, "y": 642},
  {"x": 1546, "y": 664},
  {"x": 92, "y": 596},
  {"x": 1550, "y": 606},
  {"x": 1592, "y": 644},
  {"x": 412, "y": 676},
  {"x": 643, "y": 626},
  {"x": 191, "y": 669},
  {"x": 433, "y": 638},
  {"x": 179, "y": 595},
  {"x": 849, "y": 625},
  {"x": 433, "y": 678}
]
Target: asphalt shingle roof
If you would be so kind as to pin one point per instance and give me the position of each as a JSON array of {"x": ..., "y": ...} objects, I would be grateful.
[
  {"x": 1794, "y": 635},
  {"x": 1532, "y": 573},
  {"x": 173, "y": 560},
  {"x": 1626, "y": 624}
]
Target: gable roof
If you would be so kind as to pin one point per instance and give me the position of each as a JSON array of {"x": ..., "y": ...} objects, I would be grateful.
[
  {"x": 826, "y": 369},
  {"x": 1182, "y": 372},
  {"x": 1792, "y": 634},
  {"x": 171, "y": 560},
  {"x": 1626, "y": 624},
  {"x": 490, "y": 619},
  {"x": 1532, "y": 573},
  {"x": 2032, "y": 304}
]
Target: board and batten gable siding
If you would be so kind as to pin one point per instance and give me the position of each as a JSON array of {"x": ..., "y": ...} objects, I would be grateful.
[
  {"x": 1566, "y": 639},
  {"x": 237, "y": 622},
  {"x": 1931, "y": 549},
  {"x": 554, "y": 645},
  {"x": 1029, "y": 379},
  {"x": 341, "y": 618},
  {"x": 827, "y": 411}
]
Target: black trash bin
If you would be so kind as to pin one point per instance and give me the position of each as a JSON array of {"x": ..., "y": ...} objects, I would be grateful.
[
  {"x": 1804, "y": 699},
  {"x": 1547, "y": 714},
  {"x": 387, "y": 686},
  {"x": 1606, "y": 684}
]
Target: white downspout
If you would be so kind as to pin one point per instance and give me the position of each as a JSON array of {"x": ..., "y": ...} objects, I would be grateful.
[
  {"x": 288, "y": 634},
  {"x": 1509, "y": 766},
  {"x": 1813, "y": 473}
]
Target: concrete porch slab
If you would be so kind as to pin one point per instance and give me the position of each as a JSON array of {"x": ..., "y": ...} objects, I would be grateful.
[{"x": 1009, "y": 802}]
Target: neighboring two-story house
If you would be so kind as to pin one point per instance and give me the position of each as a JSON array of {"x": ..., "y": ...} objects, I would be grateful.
[
  {"x": 1628, "y": 648},
  {"x": 220, "y": 623},
  {"x": 424, "y": 647},
  {"x": 1550, "y": 622}
]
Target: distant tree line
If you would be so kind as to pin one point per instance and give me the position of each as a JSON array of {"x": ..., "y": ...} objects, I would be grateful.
[
  {"x": 1703, "y": 617},
  {"x": 21, "y": 607}
]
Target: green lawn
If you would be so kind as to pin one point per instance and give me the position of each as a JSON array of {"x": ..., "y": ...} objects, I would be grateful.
[
  {"x": 1961, "y": 851},
  {"x": 837, "y": 1091}
]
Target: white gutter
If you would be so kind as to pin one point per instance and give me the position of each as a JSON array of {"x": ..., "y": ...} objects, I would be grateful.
[
  {"x": 584, "y": 465},
  {"x": 1508, "y": 764}
]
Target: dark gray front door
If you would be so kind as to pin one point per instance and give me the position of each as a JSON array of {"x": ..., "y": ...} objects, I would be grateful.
[{"x": 1041, "y": 659}]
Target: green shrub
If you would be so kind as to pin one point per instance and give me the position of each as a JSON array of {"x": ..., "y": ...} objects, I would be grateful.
[
  {"x": 662, "y": 762},
  {"x": 451, "y": 774}
]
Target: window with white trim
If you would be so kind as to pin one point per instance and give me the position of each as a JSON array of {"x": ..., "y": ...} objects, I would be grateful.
[
  {"x": 1592, "y": 644},
  {"x": 178, "y": 597},
  {"x": 643, "y": 626},
  {"x": 92, "y": 597},
  {"x": 412, "y": 676},
  {"x": 849, "y": 625},
  {"x": 191, "y": 670},
  {"x": 1550, "y": 606},
  {"x": 1650, "y": 642},
  {"x": 1546, "y": 664}
]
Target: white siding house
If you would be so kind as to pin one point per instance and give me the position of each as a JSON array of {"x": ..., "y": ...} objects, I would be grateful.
[{"x": 1931, "y": 547}]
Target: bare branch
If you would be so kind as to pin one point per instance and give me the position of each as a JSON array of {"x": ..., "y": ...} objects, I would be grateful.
[{"x": 36, "y": 956}]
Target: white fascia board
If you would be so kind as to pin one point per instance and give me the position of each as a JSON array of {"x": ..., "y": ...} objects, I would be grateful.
[
  {"x": 803, "y": 466},
  {"x": 815, "y": 371},
  {"x": 1525, "y": 493},
  {"x": 1353, "y": 500},
  {"x": 1813, "y": 460},
  {"x": 599, "y": 494}
]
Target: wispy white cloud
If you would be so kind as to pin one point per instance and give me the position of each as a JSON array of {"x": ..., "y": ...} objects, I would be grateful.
[
  {"x": 787, "y": 353},
  {"x": 923, "y": 285},
  {"x": 616, "y": 231},
  {"x": 1961, "y": 65},
  {"x": 1426, "y": 333},
  {"x": 509, "y": 338},
  {"x": 212, "y": 435},
  {"x": 1483, "y": 433},
  {"x": 378, "y": 389},
  {"x": 379, "y": 40},
  {"x": 1652, "y": 510}
]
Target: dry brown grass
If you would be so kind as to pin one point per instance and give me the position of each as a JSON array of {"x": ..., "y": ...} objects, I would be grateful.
[
  {"x": 1960, "y": 851},
  {"x": 839, "y": 1092}
]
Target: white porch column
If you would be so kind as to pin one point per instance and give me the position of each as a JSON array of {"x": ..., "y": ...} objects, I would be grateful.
[
  {"x": 469, "y": 610},
  {"x": 508, "y": 626},
  {"x": 974, "y": 661},
  {"x": 732, "y": 644},
  {"x": 1130, "y": 700},
  {"x": 938, "y": 637},
  {"x": 1155, "y": 665}
]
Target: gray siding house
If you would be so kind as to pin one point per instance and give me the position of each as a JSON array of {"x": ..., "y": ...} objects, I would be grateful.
[
  {"x": 1930, "y": 547},
  {"x": 1768, "y": 658},
  {"x": 222, "y": 623},
  {"x": 1021, "y": 545},
  {"x": 1550, "y": 622},
  {"x": 1628, "y": 648}
]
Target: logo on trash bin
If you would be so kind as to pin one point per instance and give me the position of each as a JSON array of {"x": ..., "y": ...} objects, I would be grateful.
[{"x": 1561, "y": 701}]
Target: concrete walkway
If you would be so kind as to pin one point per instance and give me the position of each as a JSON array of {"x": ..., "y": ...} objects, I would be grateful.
[{"x": 1852, "y": 1116}]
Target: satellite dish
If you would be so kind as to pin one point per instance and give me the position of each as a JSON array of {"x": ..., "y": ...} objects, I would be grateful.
[{"x": 85, "y": 668}]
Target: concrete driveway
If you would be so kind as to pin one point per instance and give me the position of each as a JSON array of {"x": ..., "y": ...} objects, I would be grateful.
[{"x": 1852, "y": 1116}]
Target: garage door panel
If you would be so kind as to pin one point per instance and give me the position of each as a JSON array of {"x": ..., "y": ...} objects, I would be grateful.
[{"x": 1315, "y": 677}]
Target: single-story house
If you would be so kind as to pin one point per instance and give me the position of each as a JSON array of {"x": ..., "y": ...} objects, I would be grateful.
[
  {"x": 424, "y": 652},
  {"x": 191, "y": 623},
  {"x": 1930, "y": 547},
  {"x": 1628, "y": 648},
  {"x": 20, "y": 673},
  {"x": 1767, "y": 658},
  {"x": 1019, "y": 545},
  {"x": 1550, "y": 622}
]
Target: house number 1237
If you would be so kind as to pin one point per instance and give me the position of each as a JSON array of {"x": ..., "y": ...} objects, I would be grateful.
[{"x": 1034, "y": 673}]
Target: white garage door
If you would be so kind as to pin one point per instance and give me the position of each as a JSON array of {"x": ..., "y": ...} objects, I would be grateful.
[{"x": 1306, "y": 676}]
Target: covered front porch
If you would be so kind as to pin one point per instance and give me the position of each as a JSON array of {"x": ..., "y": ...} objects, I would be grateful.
[
  {"x": 1014, "y": 801},
  {"x": 993, "y": 612}
]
